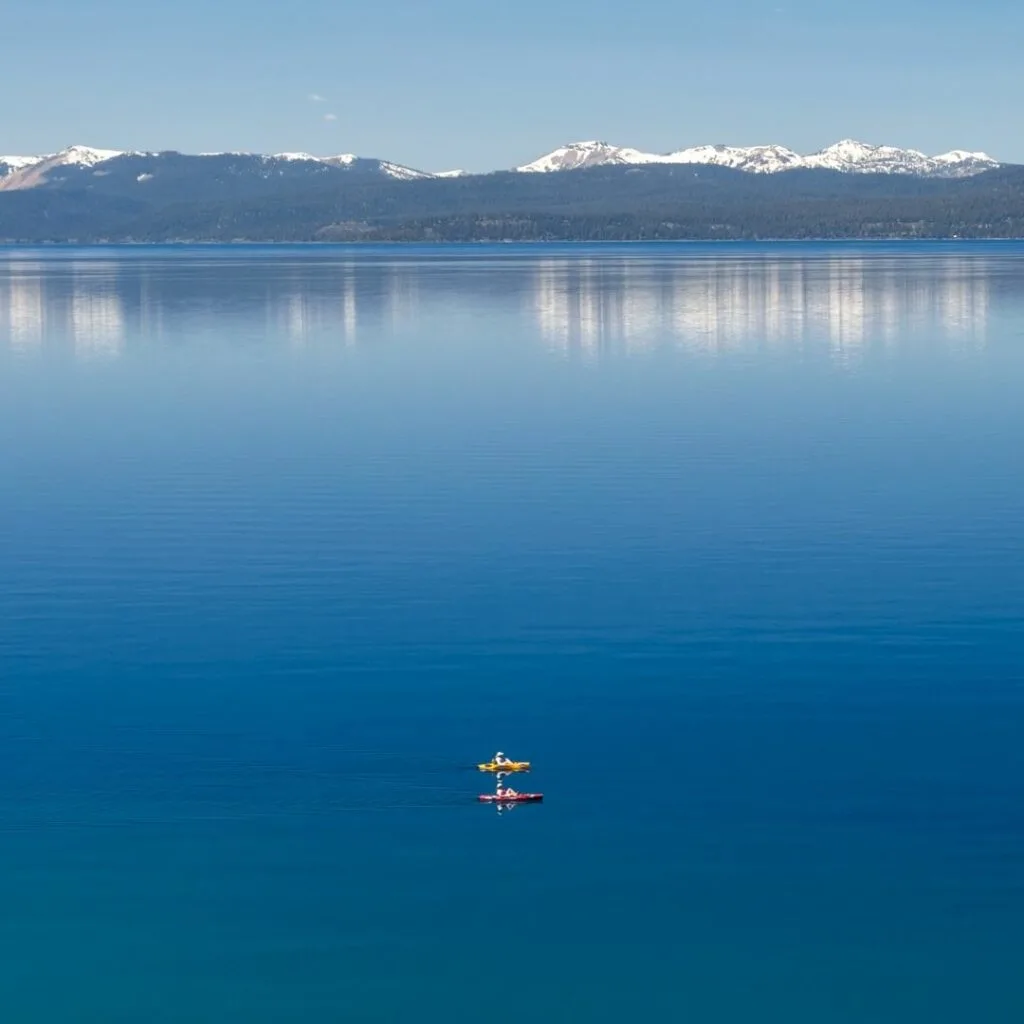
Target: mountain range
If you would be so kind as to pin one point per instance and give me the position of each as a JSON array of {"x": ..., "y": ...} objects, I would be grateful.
[
  {"x": 76, "y": 163},
  {"x": 588, "y": 190},
  {"x": 85, "y": 165},
  {"x": 847, "y": 156}
]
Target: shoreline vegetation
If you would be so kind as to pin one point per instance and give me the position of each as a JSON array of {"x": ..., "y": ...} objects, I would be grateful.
[{"x": 10, "y": 243}]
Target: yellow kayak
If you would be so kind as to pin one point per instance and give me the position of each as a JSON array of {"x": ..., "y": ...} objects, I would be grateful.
[{"x": 507, "y": 766}]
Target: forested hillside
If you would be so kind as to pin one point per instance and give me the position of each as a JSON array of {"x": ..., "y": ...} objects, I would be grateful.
[{"x": 655, "y": 202}]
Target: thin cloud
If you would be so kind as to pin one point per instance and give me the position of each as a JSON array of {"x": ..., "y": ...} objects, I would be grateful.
[
  {"x": 315, "y": 97},
  {"x": 330, "y": 117}
]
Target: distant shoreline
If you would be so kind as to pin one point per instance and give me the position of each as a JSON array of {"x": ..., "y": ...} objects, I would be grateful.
[{"x": 445, "y": 243}]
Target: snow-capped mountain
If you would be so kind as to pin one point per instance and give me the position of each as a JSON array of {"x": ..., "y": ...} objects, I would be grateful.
[
  {"x": 860, "y": 158},
  {"x": 578, "y": 155},
  {"x": 22, "y": 172},
  {"x": 84, "y": 156},
  {"x": 73, "y": 156},
  {"x": 847, "y": 156},
  {"x": 32, "y": 171}
]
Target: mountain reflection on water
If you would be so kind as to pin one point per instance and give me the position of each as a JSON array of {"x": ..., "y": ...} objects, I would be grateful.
[{"x": 588, "y": 301}]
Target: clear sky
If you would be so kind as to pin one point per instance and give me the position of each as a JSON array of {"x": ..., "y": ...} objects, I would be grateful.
[{"x": 465, "y": 83}]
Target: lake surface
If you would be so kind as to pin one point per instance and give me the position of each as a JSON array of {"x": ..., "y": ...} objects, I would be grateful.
[{"x": 726, "y": 539}]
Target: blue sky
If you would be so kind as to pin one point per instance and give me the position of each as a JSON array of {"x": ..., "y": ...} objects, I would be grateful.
[{"x": 479, "y": 85}]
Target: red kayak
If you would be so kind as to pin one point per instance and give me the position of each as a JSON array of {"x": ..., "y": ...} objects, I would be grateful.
[{"x": 516, "y": 798}]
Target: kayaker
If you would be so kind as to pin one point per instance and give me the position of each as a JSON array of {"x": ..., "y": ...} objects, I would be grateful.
[{"x": 500, "y": 758}]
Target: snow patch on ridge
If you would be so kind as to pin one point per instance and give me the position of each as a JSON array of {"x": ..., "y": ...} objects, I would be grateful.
[
  {"x": 295, "y": 157},
  {"x": 18, "y": 163},
  {"x": 403, "y": 173}
]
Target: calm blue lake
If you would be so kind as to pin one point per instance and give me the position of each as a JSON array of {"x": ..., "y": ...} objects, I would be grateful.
[{"x": 727, "y": 540}]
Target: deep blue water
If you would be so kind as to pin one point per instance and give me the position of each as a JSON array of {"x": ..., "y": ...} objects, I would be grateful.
[{"x": 726, "y": 539}]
